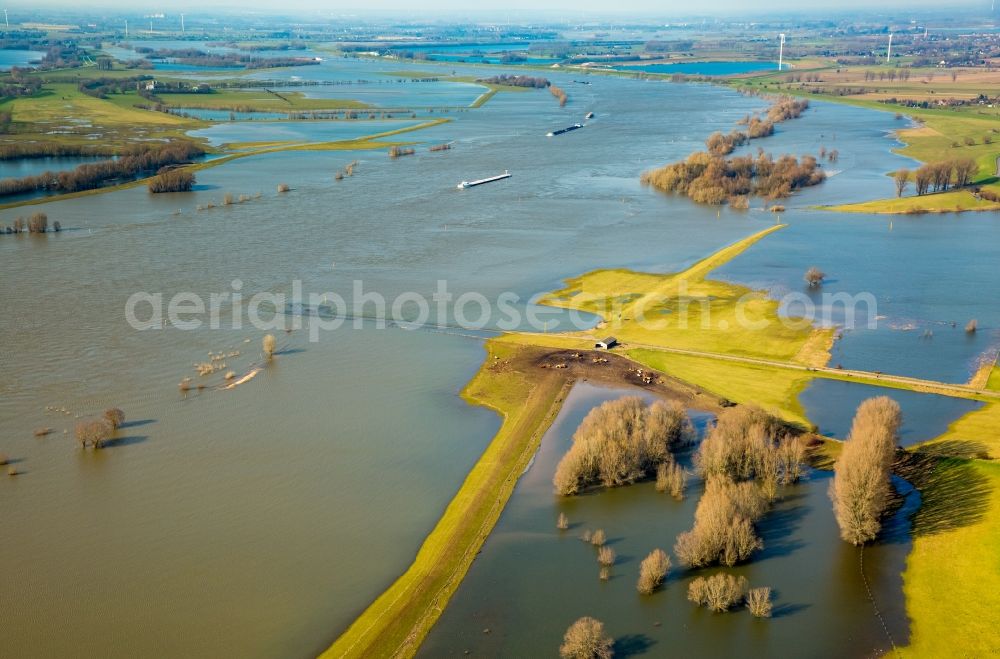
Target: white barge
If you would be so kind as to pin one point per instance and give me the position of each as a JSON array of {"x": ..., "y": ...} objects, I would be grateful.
[{"x": 472, "y": 184}]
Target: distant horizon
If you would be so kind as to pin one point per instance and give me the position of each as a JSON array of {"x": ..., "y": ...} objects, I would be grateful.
[{"x": 566, "y": 10}]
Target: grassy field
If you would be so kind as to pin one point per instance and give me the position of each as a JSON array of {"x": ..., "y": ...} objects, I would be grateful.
[
  {"x": 396, "y": 622},
  {"x": 952, "y": 578},
  {"x": 687, "y": 310},
  {"x": 369, "y": 142},
  {"x": 941, "y": 134},
  {"x": 257, "y": 100},
  {"x": 976, "y": 434},
  {"x": 994, "y": 380},
  {"x": 774, "y": 389},
  {"x": 61, "y": 113}
]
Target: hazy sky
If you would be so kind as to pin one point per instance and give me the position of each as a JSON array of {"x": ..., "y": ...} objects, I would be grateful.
[{"x": 574, "y": 7}]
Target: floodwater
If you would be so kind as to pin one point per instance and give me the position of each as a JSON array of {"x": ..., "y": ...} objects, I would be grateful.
[
  {"x": 926, "y": 416},
  {"x": 259, "y": 521},
  {"x": 531, "y": 581},
  {"x": 702, "y": 68},
  {"x": 389, "y": 93},
  {"x": 12, "y": 58},
  {"x": 296, "y": 131},
  {"x": 22, "y": 167},
  {"x": 228, "y": 115}
]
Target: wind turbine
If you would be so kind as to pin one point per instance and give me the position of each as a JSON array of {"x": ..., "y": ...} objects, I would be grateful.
[
  {"x": 781, "y": 50},
  {"x": 182, "y": 23},
  {"x": 888, "y": 52},
  {"x": 5, "y": 19}
]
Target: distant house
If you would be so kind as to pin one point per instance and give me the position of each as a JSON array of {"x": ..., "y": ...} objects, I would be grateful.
[{"x": 606, "y": 344}]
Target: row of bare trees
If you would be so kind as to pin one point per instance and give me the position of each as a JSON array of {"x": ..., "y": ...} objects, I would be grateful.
[
  {"x": 937, "y": 176},
  {"x": 36, "y": 223},
  {"x": 134, "y": 161}
]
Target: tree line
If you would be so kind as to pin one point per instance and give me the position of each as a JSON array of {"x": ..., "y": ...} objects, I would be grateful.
[
  {"x": 517, "y": 81},
  {"x": 133, "y": 162},
  {"x": 19, "y": 150},
  {"x": 36, "y": 223},
  {"x": 937, "y": 177}
]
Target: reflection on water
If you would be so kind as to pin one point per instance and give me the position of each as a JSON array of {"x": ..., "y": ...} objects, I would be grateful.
[{"x": 531, "y": 581}]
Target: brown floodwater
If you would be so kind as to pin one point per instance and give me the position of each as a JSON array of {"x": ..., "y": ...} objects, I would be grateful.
[{"x": 258, "y": 522}]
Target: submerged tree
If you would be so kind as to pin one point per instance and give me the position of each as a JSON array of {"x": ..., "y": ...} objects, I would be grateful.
[
  {"x": 814, "y": 277},
  {"x": 652, "y": 571},
  {"x": 92, "y": 433},
  {"x": 620, "y": 442},
  {"x": 38, "y": 223},
  {"x": 585, "y": 639},
  {"x": 719, "y": 592},
  {"x": 670, "y": 478},
  {"x": 759, "y": 602},
  {"x": 269, "y": 345},
  {"x": 723, "y": 530},
  {"x": 861, "y": 487},
  {"x": 115, "y": 417}
]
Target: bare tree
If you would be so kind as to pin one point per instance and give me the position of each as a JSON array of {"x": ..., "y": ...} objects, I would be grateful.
[
  {"x": 902, "y": 179},
  {"x": 620, "y": 442},
  {"x": 652, "y": 571},
  {"x": 719, "y": 592},
  {"x": 965, "y": 169},
  {"x": 814, "y": 277},
  {"x": 670, "y": 478},
  {"x": 759, "y": 602},
  {"x": 723, "y": 530},
  {"x": 922, "y": 179},
  {"x": 269, "y": 344},
  {"x": 92, "y": 433},
  {"x": 38, "y": 223},
  {"x": 861, "y": 488},
  {"x": 737, "y": 446},
  {"x": 585, "y": 639},
  {"x": 115, "y": 417}
]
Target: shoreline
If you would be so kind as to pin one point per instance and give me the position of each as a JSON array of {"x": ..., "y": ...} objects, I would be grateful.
[
  {"x": 526, "y": 385},
  {"x": 511, "y": 381},
  {"x": 366, "y": 142}
]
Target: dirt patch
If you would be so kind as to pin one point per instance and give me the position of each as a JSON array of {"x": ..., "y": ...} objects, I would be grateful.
[{"x": 612, "y": 369}]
